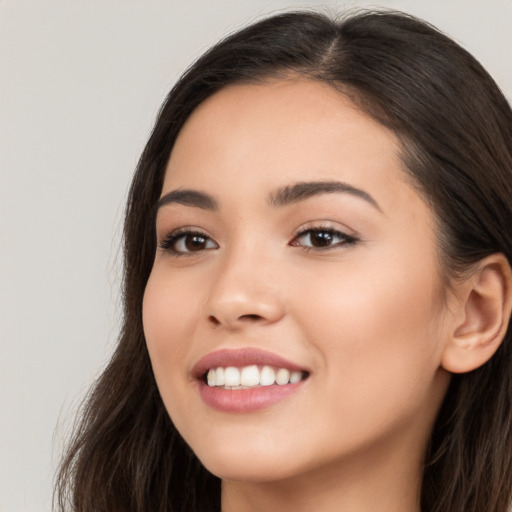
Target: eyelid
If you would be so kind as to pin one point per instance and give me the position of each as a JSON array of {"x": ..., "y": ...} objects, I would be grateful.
[
  {"x": 348, "y": 239},
  {"x": 168, "y": 241},
  {"x": 326, "y": 225}
]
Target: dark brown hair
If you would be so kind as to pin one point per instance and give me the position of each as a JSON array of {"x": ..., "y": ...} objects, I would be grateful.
[{"x": 455, "y": 127}]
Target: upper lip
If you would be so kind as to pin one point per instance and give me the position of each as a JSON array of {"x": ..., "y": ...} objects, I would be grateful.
[{"x": 241, "y": 357}]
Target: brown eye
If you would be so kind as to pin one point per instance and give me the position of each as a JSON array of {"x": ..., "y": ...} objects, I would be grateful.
[
  {"x": 187, "y": 242},
  {"x": 322, "y": 239},
  {"x": 194, "y": 242}
]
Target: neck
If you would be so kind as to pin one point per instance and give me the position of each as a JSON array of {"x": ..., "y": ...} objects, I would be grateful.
[{"x": 384, "y": 484}]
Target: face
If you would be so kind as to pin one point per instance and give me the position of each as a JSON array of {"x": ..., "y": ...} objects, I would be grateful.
[{"x": 293, "y": 255}]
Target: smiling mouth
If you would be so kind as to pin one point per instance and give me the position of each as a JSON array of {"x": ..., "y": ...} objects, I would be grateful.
[
  {"x": 247, "y": 380},
  {"x": 252, "y": 376}
]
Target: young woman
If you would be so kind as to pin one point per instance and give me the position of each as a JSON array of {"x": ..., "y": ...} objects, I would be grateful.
[{"x": 317, "y": 284}]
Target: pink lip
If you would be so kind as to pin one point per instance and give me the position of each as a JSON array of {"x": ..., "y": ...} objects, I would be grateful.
[
  {"x": 239, "y": 358},
  {"x": 243, "y": 400}
]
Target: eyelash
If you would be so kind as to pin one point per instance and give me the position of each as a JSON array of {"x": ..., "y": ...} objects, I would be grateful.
[
  {"x": 346, "y": 240},
  {"x": 168, "y": 244}
]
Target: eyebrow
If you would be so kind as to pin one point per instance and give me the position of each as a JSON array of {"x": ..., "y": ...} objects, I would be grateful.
[
  {"x": 304, "y": 190},
  {"x": 283, "y": 196},
  {"x": 189, "y": 197}
]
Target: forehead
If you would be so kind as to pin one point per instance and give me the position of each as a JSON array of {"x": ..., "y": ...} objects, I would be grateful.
[{"x": 247, "y": 137}]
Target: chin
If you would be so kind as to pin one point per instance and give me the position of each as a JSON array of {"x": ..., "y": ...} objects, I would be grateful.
[
  {"x": 249, "y": 464},
  {"x": 247, "y": 470}
]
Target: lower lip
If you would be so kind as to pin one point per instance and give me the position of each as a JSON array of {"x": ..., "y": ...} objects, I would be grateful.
[{"x": 246, "y": 400}]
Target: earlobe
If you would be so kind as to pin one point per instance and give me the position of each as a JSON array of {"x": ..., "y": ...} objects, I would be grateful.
[{"x": 484, "y": 307}]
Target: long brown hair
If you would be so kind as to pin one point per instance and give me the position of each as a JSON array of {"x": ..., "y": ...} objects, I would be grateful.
[{"x": 455, "y": 127}]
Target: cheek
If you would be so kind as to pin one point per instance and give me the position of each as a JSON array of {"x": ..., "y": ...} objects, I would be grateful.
[
  {"x": 370, "y": 299},
  {"x": 167, "y": 317},
  {"x": 376, "y": 331}
]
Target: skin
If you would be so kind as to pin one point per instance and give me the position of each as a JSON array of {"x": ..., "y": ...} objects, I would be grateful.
[{"x": 366, "y": 319}]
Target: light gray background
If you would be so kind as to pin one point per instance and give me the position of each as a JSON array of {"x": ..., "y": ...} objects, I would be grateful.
[{"x": 80, "y": 84}]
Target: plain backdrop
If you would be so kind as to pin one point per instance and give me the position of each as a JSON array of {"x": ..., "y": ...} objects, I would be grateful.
[{"x": 80, "y": 84}]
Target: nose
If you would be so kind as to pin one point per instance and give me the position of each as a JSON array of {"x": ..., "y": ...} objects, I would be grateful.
[{"x": 244, "y": 292}]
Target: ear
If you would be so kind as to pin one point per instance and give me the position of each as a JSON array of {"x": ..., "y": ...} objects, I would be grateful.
[{"x": 480, "y": 321}]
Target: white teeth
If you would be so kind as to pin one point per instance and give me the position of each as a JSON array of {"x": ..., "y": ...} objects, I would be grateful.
[
  {"x": 231, "y": 376},
  {"x": 267, "y": 376},
  {"x": 282, "y": 376},
  {"x": 251, "y": 376},
  {"x": 294, "y": 377},
  {"x": 219, "y": 377}
]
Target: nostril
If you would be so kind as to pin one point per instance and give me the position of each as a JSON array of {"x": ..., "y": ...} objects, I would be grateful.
[
  {"x": 250, "y": 317},
  {"x": 235, "y": 319},
  {"x": 213, "y": 320},
  {"x": 247, "y": 318}
]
